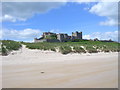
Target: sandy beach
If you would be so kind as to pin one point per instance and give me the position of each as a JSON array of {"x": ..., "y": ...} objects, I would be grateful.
[{"x": 46, "y": 69}]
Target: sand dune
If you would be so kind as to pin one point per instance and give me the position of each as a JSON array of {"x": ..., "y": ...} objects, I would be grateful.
[{"x": 47, "y": 69}]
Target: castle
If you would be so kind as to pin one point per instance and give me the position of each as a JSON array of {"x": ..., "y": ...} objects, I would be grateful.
[{"x": 61, "y": 37}]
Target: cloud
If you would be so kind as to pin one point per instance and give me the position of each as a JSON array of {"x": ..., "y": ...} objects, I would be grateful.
[
  {"x": 35, "y": 0},
  {"x": 103, "y": 36},
  {"x": 55, "y": 30},
  {"x": 13, "y": 11},
  {"x": 8, "y": 18},
  {"x": 108, "y": 10},
  {"x": 59, "y": 0},
  {"x": 26, "y": 34}
]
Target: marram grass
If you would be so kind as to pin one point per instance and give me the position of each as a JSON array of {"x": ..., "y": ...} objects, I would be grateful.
[
  {"x": 77, "y": 47},
  {"x": 64, "y": 47}
]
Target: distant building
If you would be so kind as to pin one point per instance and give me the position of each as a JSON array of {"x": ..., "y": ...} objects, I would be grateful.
[
  {"x": 96, "y": 39},
  {"x": 45, "y": 34},
  {"x": 106, "y": 40},
  {"x": 61, "y": 37},
  {"x": 77, "y": 35}
]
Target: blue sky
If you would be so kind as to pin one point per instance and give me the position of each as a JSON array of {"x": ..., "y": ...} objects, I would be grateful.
[{"x": 23, "y": 23}]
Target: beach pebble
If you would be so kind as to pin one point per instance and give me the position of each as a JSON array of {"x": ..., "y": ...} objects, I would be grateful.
[{"x": 42, "y": 72}]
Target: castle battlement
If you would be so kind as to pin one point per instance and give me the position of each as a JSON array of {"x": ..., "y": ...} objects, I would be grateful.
[{"x": 61, "y": 37}]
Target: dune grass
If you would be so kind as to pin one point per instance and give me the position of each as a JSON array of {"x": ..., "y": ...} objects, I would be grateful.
[
  {"x": 8, "y": 45},
  {"x": 78, "y": 49},
  {"x": 65, "y": 47}
]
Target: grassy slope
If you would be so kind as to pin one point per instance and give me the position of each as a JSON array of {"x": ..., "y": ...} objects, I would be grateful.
[
  {"x": 8, "y": 45},
  {"x": 67, "y": 47},
  {"x": 63, "y": 47}
]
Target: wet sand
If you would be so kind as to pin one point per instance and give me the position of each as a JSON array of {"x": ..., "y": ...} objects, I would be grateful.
[{"x": 45, "y": 69}]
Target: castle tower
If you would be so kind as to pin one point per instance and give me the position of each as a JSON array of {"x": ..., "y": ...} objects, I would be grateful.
[
  {"x": 60, "y": 37},
  {"x": 77, "y": 35},
  {"x": 45, "y": 34}
]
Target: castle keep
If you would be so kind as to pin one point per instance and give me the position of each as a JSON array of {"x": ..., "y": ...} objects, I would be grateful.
[{"x": 61, "y": 37}]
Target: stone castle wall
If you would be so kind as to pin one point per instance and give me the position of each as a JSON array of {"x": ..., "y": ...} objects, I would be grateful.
[{"x": 61, "y": 37}]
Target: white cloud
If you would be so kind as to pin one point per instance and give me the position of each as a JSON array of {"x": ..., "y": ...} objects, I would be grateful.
[
  {"x": 8, "y": 18},
  {"x": 106, "y": 9},
  {"x": 13, "y": 11},
  {"x": 59, "y": 0},
  {"x": 26, "y": 34},
  {"x": 35, "y": 0},
  {"x": 109, "y": 22},
  {"x": 103, "y": 36},
  {"x": 55, "y": 30}
]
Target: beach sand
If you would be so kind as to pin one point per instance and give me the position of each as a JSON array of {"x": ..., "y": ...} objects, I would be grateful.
[{"x": 47, "y": 69}]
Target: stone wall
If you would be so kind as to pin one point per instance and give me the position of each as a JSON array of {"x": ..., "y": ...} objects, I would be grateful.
[
  {"x": 61, "y": 37},
  {"x": 41, "y": 40},
  {"x": 46, "y": 40},
  {"x": 52, "y": 40},
  {"x": 76, "y": 35}
]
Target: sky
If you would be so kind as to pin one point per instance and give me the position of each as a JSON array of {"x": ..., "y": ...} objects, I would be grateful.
[{"x": 24, "y": 21}]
